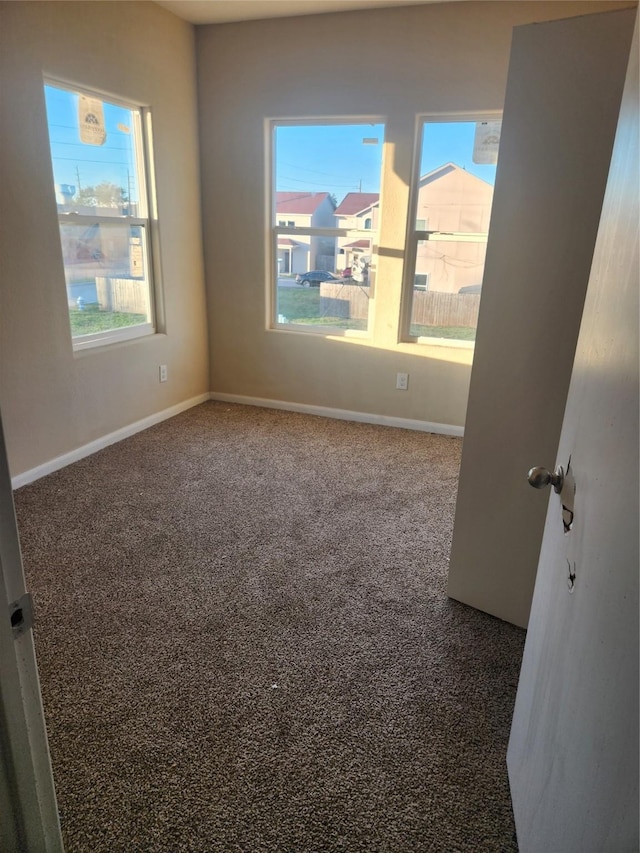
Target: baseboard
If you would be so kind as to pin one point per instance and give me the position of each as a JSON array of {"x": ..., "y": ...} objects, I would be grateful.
[
  {"x": 322, "y": 411},
  {"x": 104, "y": 441},
  {"x": 342, "y": 414}
]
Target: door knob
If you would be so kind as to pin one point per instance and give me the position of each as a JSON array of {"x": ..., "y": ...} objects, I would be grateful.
[{"x": 540, "y": 477}]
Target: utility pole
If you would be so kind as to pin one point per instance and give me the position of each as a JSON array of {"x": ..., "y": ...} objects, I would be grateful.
[{"x": 78, "y": 177}]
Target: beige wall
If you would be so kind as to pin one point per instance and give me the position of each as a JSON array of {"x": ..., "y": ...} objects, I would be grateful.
[
  {"x": 455, "y": 201},
  {"x": 437, "y": 58},
  {"x": 430, "y": 59},
  {"x": 53, "y": 401}
]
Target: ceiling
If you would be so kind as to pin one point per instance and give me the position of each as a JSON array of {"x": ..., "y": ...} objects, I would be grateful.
[{"x": 221, "y": 11}]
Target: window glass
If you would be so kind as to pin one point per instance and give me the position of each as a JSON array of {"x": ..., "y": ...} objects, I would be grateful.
[
  {"x": 327, "y": 176},
  {"x": 97, "y": 153},
  {"x": 447, "y": 248}
]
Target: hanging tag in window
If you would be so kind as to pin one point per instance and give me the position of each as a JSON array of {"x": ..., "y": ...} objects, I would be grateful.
[
  {"x": 91, "y": 121},
  {"x": 486, "y": 142}
]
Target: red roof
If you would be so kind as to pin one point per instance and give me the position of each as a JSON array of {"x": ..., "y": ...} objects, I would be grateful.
[
  {"x": 358, "y": 244},
  {"x": 285, "y": 241},
  {"x": 299, "y": 202},
  {"x": 354, "y": 203}
]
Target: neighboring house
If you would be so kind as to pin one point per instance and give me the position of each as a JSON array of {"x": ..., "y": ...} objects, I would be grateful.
[
  {"x": 304, "y": 252},
  {"x": 451, "y": 199},
  {"x": 358, "y": 211}
]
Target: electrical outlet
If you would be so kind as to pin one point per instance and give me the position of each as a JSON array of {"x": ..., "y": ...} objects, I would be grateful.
[
  {"x": 402, "y": 381},
  {"x": 164, "y": 375}
]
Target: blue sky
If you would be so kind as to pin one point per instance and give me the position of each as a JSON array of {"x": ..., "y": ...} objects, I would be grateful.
[
  {"x": 333, "y": 158},
  {"x": 329, "y": 158},
  {"x": 316, "y": 158},
  {"x": 445, "y": 141},
  {"x": 113, "y": 162}
]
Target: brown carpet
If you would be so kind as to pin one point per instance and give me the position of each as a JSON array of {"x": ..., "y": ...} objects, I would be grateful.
[{"x": 245, "y": 643}]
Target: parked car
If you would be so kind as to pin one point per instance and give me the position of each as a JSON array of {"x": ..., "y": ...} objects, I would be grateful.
[{"x": 314, "y": 277}]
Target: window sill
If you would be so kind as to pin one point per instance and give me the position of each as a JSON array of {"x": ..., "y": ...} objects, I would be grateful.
[
  {"x": 319, "y": 331},
  {"x": 101, "y": 340},
  {"x": 452, "y": 343}
]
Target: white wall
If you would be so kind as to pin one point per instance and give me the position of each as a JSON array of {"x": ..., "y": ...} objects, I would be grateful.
[
  {"x": 52, "y": 400},
  {"x": 445, "y": 57}
]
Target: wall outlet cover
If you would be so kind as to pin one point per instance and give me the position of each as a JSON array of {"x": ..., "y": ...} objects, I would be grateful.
[{"x": 402, "y": 381}]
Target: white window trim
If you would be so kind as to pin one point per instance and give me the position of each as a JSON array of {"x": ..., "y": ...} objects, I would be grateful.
[
  {"x": 147, "y": 207},
  {"x": 414, "y": 236}
]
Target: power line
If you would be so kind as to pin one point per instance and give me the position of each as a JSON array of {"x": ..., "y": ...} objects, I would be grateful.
[
  {"x": 301, "y": 181},
  {"x": 103, "y": 147},
  {"x": 121, "y": 163},
  {"x": 305, "y": 169}
]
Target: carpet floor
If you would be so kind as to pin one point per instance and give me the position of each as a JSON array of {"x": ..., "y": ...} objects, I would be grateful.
[{"x": 245, "y": 643}]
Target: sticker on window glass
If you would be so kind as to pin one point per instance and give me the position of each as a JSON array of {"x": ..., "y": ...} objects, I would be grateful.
[
  {"x": 486, "y": 141},
  {"x": 91, "y": 121}
]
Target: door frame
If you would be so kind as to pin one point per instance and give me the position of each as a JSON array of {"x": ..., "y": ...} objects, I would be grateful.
[{"x": 27, "y": 792}]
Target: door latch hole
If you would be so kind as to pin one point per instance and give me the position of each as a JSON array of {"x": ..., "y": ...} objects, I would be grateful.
[
  {"x": 568, "y": 497},
  {"x": 21, "y": 614}
]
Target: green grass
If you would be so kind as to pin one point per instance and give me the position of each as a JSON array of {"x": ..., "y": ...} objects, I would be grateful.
[
  {"x": 303, "y": 306},
  {"x": 299, "y": 304},
  {"x": 336, "y": 322},
  {"x": 91, "y": 320},
  {"x": 458, "y": 333}
]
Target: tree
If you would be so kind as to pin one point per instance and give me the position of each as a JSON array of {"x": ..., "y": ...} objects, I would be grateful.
[{"x": 105, "y": 194}]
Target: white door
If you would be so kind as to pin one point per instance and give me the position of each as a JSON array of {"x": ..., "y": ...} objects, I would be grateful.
[
  {"x": 562, "y": 103},
  {"x": 28, "y": 812},
  {"x": 573, "y": 753}
]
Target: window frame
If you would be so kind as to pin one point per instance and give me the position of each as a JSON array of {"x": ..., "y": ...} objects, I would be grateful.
[
  {"x": 414, "y": 236},
  {"x": 146, "y": 220},
  {"x": 274, "y": 231}
]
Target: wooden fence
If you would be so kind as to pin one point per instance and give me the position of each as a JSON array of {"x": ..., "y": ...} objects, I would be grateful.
[
  {"x": 350, "y": 301},
  {"x": 346, "y": 300},
  {"x": 126, "y": 295},
  {"x": 445, "y": 309}
]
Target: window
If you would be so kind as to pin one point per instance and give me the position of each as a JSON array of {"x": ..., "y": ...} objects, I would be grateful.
[
  {"x": 446, "y": 247},
  {"x": 98, "y": 156},
  {"x": 323, "y": 263}
]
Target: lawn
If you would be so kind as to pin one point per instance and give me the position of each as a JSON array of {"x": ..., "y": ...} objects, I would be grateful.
[
  {"x": 297, "y": 305},
  {"x": 458, "y": 333},
  {"x": 303, "y": 306},
  {"x": 91, "y": 320}
]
